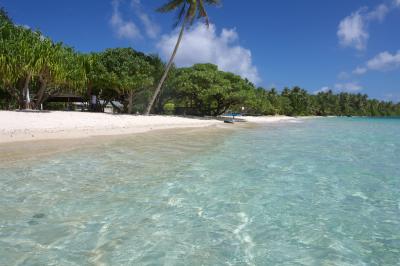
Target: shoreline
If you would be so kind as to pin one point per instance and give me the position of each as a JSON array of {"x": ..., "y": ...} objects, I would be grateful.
[
  {"x": 32, "y": 151},
  {"x": 20, "y": 126}
]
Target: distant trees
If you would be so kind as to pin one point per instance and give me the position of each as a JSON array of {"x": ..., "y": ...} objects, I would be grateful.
[
  {"x": 299, "y": 102},
  {"x": 328, "y": 103},
  {"x": 258, "y": 102}
]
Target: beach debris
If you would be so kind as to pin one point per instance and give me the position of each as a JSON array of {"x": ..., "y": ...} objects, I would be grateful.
[{"x": 38, "y": 216}]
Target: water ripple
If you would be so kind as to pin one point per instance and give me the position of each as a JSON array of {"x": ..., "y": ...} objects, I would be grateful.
[{"x": 320, "y": 192}]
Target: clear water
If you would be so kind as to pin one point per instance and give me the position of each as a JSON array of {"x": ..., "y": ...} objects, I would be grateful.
[{"x": 319, "y": 192}]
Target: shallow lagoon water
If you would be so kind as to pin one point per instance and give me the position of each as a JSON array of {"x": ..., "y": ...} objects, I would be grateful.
[{"x": 320, "y": 191}]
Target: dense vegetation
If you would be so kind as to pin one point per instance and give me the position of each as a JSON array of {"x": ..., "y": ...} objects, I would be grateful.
[{"x": 34, "y": 68}]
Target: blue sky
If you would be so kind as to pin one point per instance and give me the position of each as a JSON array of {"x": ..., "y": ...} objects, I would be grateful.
[{"x": 316, "y": 44}]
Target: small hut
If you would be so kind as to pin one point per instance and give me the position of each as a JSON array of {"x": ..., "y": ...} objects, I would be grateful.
[{"x": 71, "y": 101}]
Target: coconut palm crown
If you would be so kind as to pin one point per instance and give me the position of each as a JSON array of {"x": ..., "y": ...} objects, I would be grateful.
[{"x": 188, "y": 9}]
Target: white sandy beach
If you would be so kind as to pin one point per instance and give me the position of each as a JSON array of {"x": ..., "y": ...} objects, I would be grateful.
[{"x": 23, "y": 126}]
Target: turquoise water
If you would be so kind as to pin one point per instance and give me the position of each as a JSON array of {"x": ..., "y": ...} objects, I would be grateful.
[{"x": 318, "y": 192}]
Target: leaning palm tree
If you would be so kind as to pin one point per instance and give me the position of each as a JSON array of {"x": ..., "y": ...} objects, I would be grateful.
[{"x": 189, "y": 10}]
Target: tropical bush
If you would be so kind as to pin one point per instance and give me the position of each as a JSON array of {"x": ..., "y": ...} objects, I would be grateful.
[{"x": 169, "y": 108}]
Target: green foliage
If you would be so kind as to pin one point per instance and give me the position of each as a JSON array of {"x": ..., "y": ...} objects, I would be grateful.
[
  {"x": 4, "y": 18},
  {"x": 208, "y": 91},
  {"x": 299, "y": 101},
  {"x": 128, "y": 71},
  {"x": 31, "y": 64},
  {"x": 169, "y": 108}
]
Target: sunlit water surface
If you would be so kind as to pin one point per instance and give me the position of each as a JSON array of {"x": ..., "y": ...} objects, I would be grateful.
[{"x": 318, "y": 192}]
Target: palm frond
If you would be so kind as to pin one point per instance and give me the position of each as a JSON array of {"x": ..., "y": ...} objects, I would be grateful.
[
  {"x": 171, "y": 5},
  {"x": 202, "y": 12},
  {"x": 188, "y": 9},
  {"x": 180, "y": 15},
  {"x": 191, "y": 13},
  {"x": 212, "y": 2}
]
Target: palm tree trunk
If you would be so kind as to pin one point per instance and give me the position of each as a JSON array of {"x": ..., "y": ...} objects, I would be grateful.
[
  {"x": 40, "y": 93},
  {"x": 171, "y": 60},
  {"x": 26, "y": 92},
  {"x": 130, "y": 103},
  {"x": 89, "y": 95}
]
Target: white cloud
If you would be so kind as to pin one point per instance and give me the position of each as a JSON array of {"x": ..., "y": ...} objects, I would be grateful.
[
  {"x": 152, "y": 29},
  {"x": 379, "y": 13},
  {"x": 323, "y": 89},
  {"x": 359, "y": 70},
  {"x": 382, "y": 62},
  {"x": 203, "y": 45},
  {"x": 341, "y": 87},
  {"x": 396, "y": 2},
  {"x": 343, "y": 75},
  {"x": 349, "y": 86},
  {"x": 124, "y": 29},
  {"x": 353, "y": 29}
]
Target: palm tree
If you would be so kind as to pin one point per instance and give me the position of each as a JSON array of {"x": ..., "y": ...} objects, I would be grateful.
[
  {"x": 189, "y": 10},
  {"x": 19, "y": 60},
  {"x": 62, "y": 69}
]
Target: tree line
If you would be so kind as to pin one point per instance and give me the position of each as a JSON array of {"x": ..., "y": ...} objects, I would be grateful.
[{"x": 34, "y": 68}]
